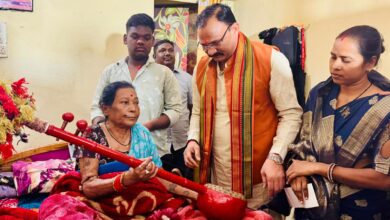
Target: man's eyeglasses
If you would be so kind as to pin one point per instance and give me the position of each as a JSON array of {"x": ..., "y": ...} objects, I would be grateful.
[{"x": 215, "y": 43}]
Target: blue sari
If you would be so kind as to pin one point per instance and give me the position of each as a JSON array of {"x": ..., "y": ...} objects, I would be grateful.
[
  {"x": 346, "y": 135},
  {"x": 367, "y": 203}
]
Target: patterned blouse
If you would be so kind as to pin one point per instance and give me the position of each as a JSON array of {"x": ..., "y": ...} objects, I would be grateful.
[{"x": 142, "y": 145}]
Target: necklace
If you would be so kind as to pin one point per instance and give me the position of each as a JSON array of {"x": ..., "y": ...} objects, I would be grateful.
[
  {"x": 362, "y": 92},
  {"x": 345, "y": 111},
  {"x": 109, "y": 132}
]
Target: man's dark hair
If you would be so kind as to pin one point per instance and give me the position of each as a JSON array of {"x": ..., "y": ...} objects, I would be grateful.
[
  {"x": 158, "y": 43},
  {"x": 140, "y": 19},
  {"x": 109, "y": 92},
  {"x": 222, "y": 12}
]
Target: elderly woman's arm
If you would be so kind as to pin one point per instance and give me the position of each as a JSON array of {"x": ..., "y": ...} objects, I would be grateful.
[
  {"x": 92, "y": 186},
  {"x": 178, "y": 190}
]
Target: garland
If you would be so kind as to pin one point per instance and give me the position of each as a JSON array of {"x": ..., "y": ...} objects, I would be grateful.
[{"x": 16, "y": 108}]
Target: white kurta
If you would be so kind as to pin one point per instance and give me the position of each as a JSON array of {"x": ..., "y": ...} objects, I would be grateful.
[{"x": 289, "y": 113}]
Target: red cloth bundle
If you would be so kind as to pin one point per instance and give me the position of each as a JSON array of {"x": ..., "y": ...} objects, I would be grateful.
[
  {"x": 138, "y": 199},
  {"x": 17, "y": 214},
  {"x": 63, "y": 207}
]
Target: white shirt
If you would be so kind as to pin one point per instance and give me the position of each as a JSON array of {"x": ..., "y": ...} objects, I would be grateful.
[
  {"x": 158, "y": 93},
  {"x": 177, "y": 133}
]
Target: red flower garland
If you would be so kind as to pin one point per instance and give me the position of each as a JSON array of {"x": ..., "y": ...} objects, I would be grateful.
[
  {"x": 19, "y": 89},
  {"x": 9, "y": 107},
  {"x": 7, "y": 148}
]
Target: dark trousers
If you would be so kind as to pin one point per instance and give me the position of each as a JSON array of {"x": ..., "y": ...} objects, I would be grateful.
[{"x": 176, "y": 160}]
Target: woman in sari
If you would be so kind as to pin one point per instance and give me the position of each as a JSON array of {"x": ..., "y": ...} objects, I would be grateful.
[{"x": 345, "y": 149}]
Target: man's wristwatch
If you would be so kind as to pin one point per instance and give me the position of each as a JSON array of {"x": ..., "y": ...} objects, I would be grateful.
[{"x": 276, "y": 158}]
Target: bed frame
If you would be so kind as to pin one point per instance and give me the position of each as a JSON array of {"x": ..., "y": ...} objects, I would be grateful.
[{"x": 53, "y": 151}]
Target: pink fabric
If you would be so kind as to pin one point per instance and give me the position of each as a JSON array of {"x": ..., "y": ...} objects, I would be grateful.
[
  {"x": 189, "y": 212},
  {"x": 256, "y": 215},
  {"x": 9, "y": 203},
  {"x": 38, "y": 176},
  {"x": 62, "y": 207},
  {"x": 138, "y": 199},
  {"x": 168, "y": 213}
]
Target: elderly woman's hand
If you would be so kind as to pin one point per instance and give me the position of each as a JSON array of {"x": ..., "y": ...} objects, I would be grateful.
[{"x": 146, "y": 170}]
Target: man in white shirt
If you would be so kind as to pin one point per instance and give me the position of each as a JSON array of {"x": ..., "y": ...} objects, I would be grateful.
[
  {"x": 164, "y": 53},
  {"x": 156, "y": 86}
]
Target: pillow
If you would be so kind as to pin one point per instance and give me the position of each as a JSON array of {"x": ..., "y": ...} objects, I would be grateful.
[
  {"x": 39, "y": 176},
  {"x": 7, "y": 187}
]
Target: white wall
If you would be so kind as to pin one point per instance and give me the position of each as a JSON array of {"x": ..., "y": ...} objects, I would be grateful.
[{"x": 324, "y": 20}]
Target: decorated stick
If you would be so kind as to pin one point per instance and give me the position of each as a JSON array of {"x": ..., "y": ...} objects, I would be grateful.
[
  {"x": 67, "y": 117},
  {"x": 211, "y": 201}
]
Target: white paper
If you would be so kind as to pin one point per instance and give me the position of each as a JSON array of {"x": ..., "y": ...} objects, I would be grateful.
[{"x": 311, "y": 201}]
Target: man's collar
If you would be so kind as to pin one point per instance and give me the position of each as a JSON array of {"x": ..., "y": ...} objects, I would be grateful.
[{"x": 147, "y": 63}]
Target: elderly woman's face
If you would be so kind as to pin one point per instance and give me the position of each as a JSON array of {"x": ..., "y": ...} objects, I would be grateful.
[{"x": 124, "y": 111}]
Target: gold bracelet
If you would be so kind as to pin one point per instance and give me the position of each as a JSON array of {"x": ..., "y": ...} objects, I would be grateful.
[{"x": 121, "y": 181}]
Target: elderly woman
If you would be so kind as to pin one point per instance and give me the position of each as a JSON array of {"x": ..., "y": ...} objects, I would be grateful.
[
  {"x": 129, "y": 193},
  {"x": 345, "y": 147},
  {"x": 119, "y": 131}
]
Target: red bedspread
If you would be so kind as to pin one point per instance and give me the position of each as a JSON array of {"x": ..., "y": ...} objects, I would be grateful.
[
  {"x": 138, "y": 199},
  {"x": 17, "y": 214}
]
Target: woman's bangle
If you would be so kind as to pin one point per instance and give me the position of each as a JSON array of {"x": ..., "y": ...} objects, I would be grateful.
[
  {"x": 117, "y": 185},
  {"x": 123, "y": 176},
  {"x": 330, "y": 172}
]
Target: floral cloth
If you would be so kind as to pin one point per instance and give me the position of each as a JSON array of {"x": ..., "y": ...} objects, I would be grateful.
[
  {"x": 38, "y": 176},
  {"x": 137, "y": 199},
  {"x": 60, "y": 206},
  {"x": 9, "y": 203}
]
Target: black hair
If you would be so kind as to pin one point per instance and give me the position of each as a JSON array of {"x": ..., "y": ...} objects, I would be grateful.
[
  {"x": 222, "y": 12},
  {"x": 370, "y": 41},
  {"x": 158, "y": 43},
  {"x": 109, "y": 92},
  {"x": 140, "y": 19}
]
